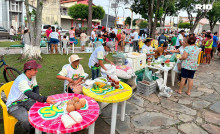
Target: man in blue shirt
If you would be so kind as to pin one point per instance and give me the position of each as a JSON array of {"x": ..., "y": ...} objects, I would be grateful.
[{"x": 214, "y": 46}]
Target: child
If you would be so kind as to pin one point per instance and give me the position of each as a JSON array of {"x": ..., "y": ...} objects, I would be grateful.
[
  {"x": 64, "y": 44},
  {"x": 83, "y": 37}
]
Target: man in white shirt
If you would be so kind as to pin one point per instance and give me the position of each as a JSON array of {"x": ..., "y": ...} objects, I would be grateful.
[
  {"x": 179, "y": 41},
  {"x": 24, "y": 93},
  {"x": 97, "y": 57},
  {"x": 93, "y": 36},
  {"x": 12, "y": 33},
  {"x": 134, "y": 37}
]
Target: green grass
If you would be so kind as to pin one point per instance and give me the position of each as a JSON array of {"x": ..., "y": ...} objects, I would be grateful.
[
  {"x": 46, "y": 77},
  {"x": 8, "y": 43}
]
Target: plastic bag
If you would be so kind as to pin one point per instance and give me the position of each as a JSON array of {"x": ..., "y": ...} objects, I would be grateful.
[
  {"x": 162, "y": 58},
  {"x": 173, "y": 58},
  {"x": 147, "y": 75},
  {"x": 175, "y": 69}
]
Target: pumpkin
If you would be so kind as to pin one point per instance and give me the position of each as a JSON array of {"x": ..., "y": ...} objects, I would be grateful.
[
  {"x": 76, "y": 99},
  {"x": 77, "y": 105},
  {"x": 83, "y": 102},
  {"x": 70, "y": 108}
]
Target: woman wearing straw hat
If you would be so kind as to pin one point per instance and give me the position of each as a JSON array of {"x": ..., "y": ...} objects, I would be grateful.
[{"x": 73, "y": 75}]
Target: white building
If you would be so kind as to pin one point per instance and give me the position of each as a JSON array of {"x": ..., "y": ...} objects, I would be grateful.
[{"x": 12, "y": 13}]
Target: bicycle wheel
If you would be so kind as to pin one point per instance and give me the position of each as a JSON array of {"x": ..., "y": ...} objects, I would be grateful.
[{"x": 10, "y": 74}]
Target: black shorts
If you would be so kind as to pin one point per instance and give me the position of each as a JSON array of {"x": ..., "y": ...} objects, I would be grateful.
[{"x": 185, "y": 73}]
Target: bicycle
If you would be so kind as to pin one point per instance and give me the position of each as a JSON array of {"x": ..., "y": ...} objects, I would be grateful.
[{"x": 9, "y": 73}]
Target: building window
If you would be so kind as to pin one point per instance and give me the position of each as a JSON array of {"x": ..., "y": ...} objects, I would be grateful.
[{"x": 15, "y": 6}]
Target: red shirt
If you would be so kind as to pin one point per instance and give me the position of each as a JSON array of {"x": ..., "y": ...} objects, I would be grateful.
[
  {"x": 48, "y": 32},
  {"x": 118, "y": 37}
]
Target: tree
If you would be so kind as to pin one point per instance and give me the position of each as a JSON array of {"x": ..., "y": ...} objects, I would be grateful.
[
  {"x": 214, "y": 15},
  {"x": 184, "y": 25},
  {"x": 97, "y": 13},
  {"x": 150, "y": 10},
  {"x": 128, "y": 21},
  {"x": 143, "y": 24},
  {"x": 134, "y": 22},
  {"x": 89, "y": 30},
  {"x": 189, "y": 7},
  {"x": 32, "y": 50}
]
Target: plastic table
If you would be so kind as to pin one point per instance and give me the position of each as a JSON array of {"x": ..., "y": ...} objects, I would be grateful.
[
  {"x": 165, "y": 73},
  {"x": 113, "y": 96},
  {"x": 47, "y": 118}
]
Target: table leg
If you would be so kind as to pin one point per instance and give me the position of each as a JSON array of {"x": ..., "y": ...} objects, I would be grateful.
[
  {"x": 123, "y": 106},
  {"x": 173, "y": 77},
  {"x": 37, "y": 131},
  {"x": 73, "y": 48},
  {"x": 114, "y": 117},
  {"x": 165, "y": 77},
  {"x": 92, "y": 128}
]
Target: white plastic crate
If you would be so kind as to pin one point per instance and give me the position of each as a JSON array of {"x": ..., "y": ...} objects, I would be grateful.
[
  {"x": 138, "y": 62},
  {"x": 89, "y": 49}
]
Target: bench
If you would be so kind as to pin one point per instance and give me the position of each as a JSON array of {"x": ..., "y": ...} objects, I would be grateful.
[
  {"x": 18, "y": 45},
  {"x": 42, "y": 44}
]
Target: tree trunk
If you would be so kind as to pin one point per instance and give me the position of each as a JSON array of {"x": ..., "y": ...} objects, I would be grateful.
[
  {"x": 198, "y": 18},
  {"x": 32, "y": 50},
  {"x": 90, "y": 18},
  {"x": 155, "y": 19},
  {"x": 212, "y": 25},
  {"x": 150, "y": 15}
]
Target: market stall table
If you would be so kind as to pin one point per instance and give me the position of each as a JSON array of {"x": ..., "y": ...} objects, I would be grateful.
[
  {"x": 113, "y": 96},
  {"x": 47, "y": 118},
  {"x": 165, "y": 70}
]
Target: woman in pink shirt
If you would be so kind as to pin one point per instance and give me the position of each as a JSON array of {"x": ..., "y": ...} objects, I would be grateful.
[
  {"x": 72, "y": 36},
  {"x": 48, "y": 31}
]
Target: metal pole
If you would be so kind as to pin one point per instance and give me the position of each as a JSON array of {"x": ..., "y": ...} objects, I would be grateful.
[
  {"x": 131, "y": 18},
  {"x": 108, "y": 13}
]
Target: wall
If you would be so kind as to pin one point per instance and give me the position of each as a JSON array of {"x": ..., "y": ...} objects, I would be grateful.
[
  {"x": 111, "y": 20},
  {"x": 207, "y": 27},
  {"x": 51, "y": 11},
  {"x": 66, "y": 24}
]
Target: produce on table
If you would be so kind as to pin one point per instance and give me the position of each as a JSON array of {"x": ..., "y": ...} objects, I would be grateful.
[
  {"x": 178, "y": 56},
  {"x": 76, "y": 99},
  {"x": 75, "y": 104},
  {"x": 83, "y": 102},
  {"x": 78, "y": 105},
  {"x": 100, "y": 84},
  {"x": 70, "y": 108},
  {"x": 167, "y": 61}
]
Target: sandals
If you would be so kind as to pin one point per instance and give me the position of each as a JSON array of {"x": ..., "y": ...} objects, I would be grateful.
[
  {"x": 179, "y": 92},
  {"x": 188, "y": 93}
]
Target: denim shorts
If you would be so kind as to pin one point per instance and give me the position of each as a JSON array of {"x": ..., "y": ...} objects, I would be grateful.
[
  {"x": 54, "y": 41},
  {"x": 185, "y": 73}
]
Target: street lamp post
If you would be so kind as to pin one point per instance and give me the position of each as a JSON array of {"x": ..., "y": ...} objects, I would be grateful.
[{"x": 108, "y": 13}]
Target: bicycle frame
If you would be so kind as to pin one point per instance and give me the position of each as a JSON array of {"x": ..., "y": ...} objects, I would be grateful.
[
  {"x": 3, "y": 63},
  {"x": 5, "y": 66}
]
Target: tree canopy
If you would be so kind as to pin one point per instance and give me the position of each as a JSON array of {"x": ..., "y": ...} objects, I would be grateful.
[
  {"x": 143, "y": 24},
  {"x": 81, "y": 11},
  {"x": 184, "y": 25},
  {"x": 214, "y": 15},
  {"x": 128, "y": 21}
]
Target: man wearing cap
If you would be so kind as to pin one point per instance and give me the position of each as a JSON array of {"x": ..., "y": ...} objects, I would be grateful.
[
  {"x": 97, "y": 57},
  {"x": 72, "y": 74},
  {"x": 24, "y": 93}
]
